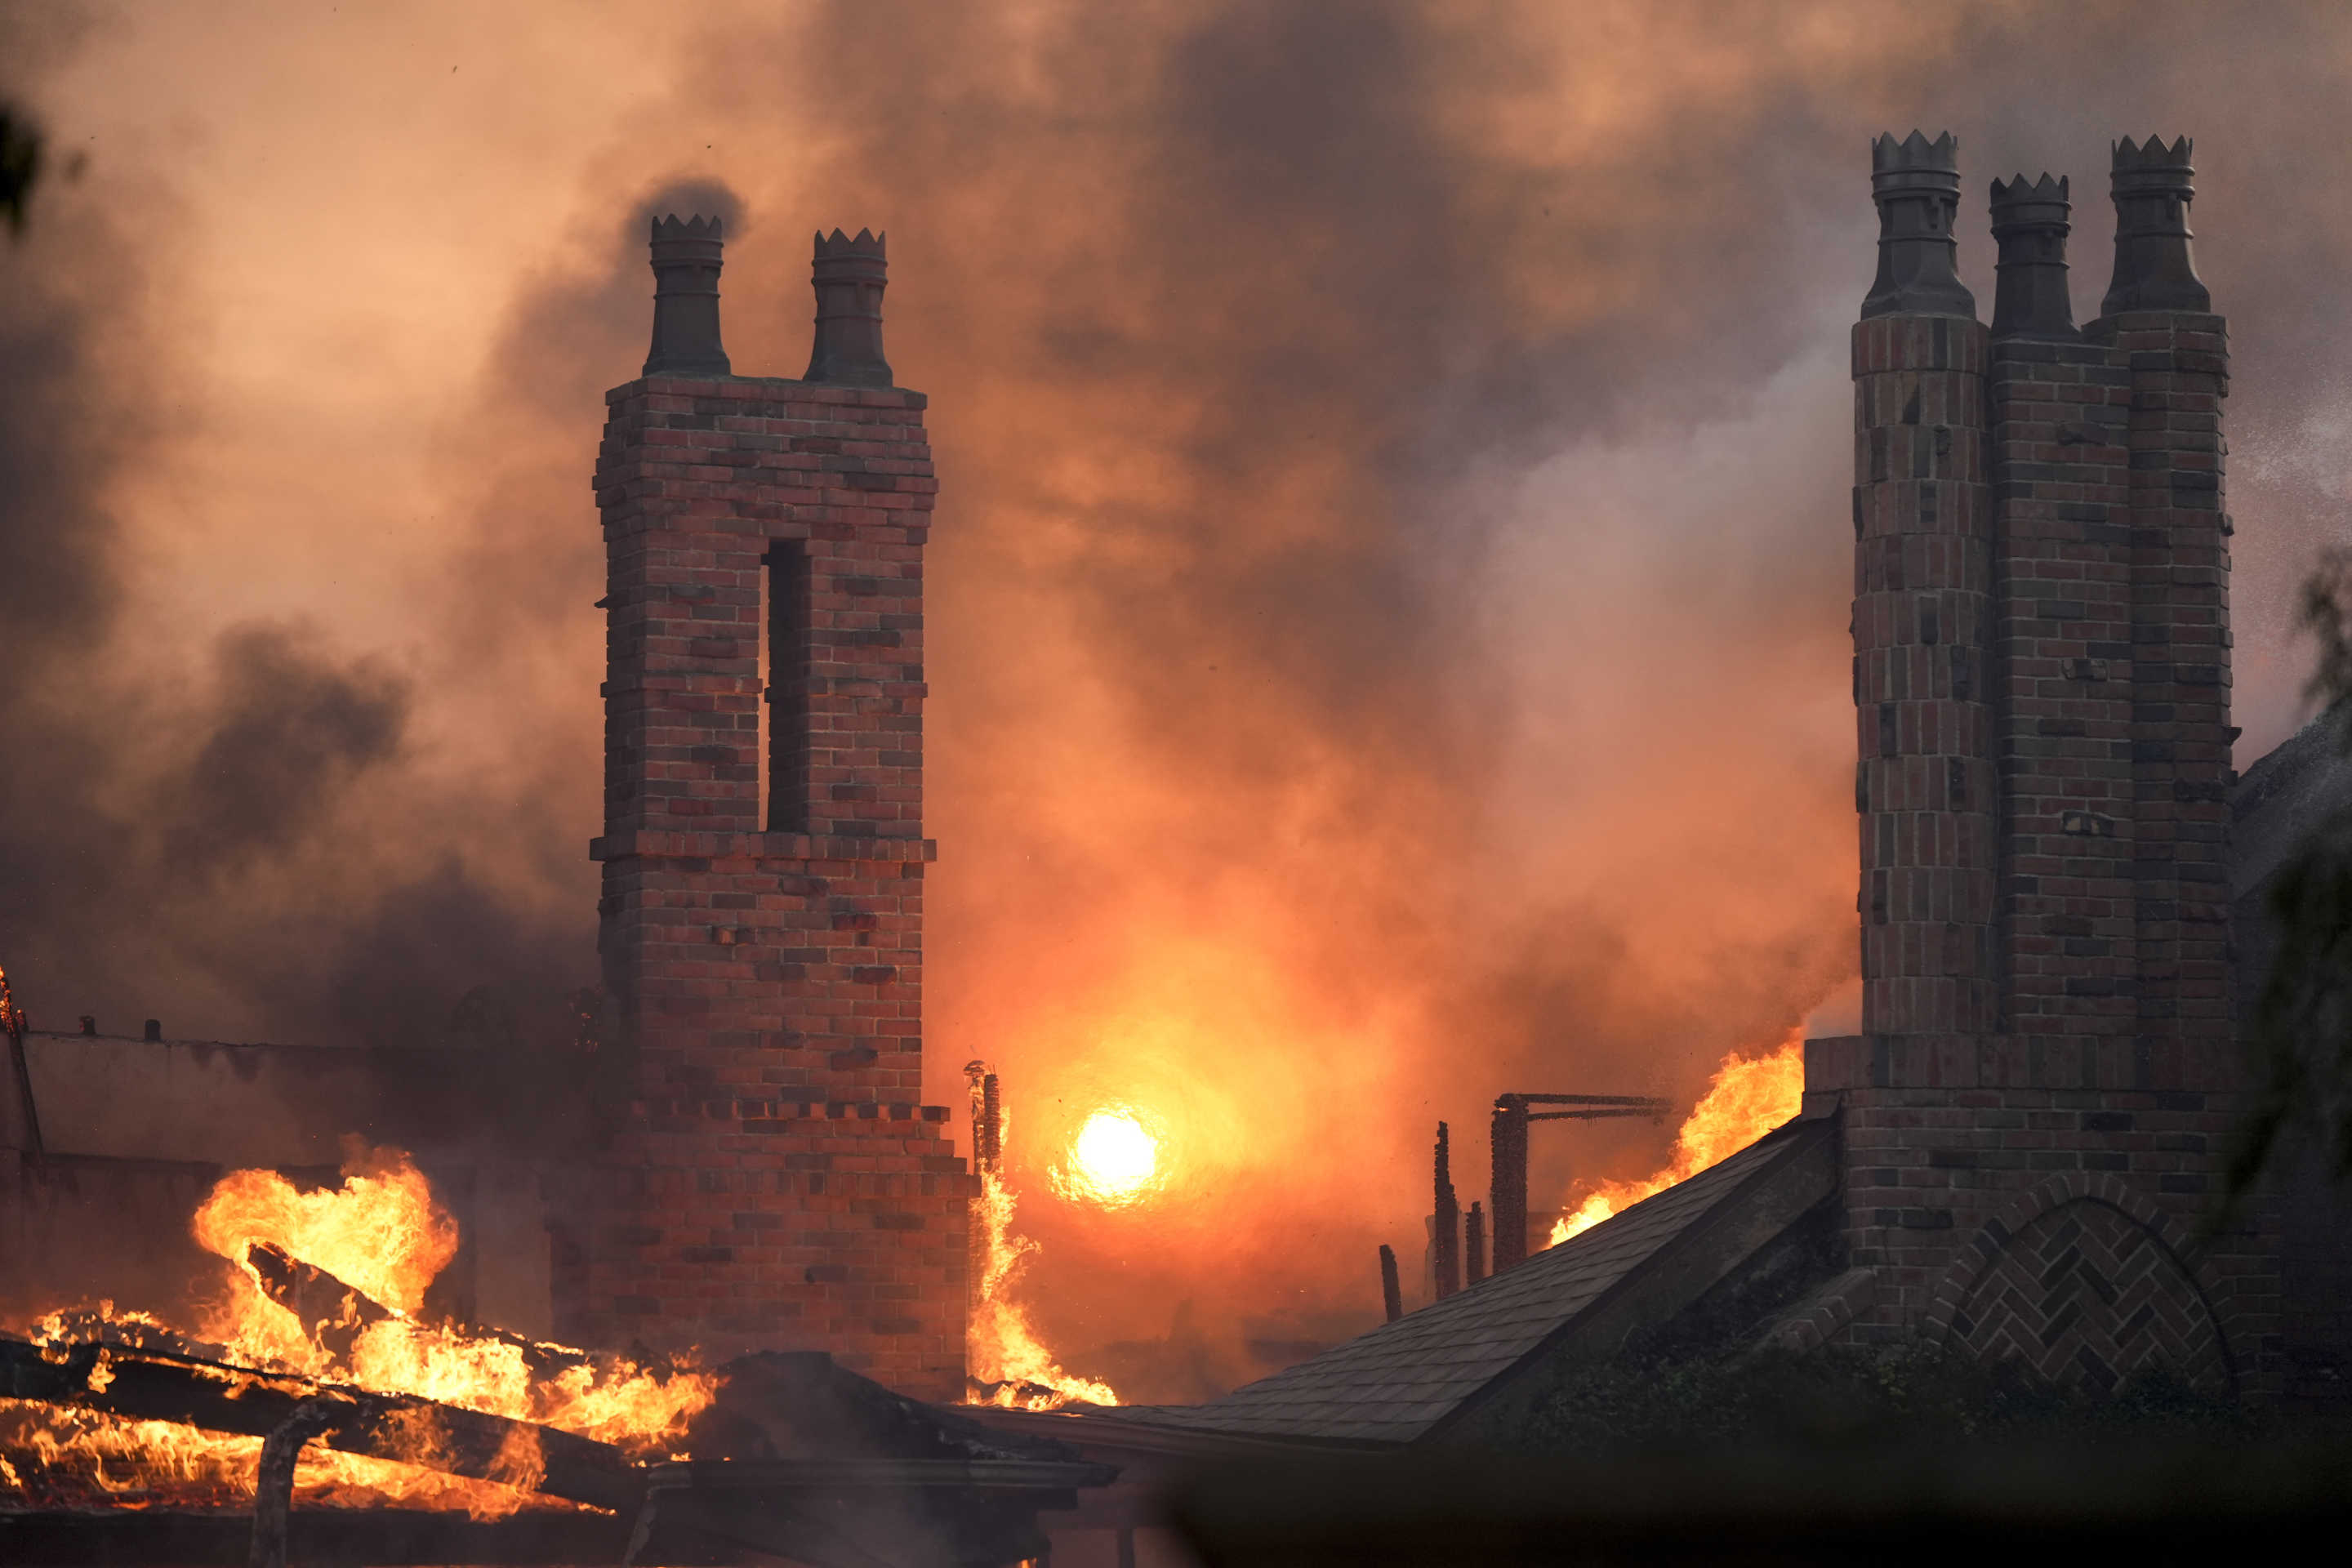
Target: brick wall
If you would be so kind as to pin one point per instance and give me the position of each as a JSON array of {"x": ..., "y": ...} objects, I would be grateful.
[
  {"x": 2034, "y": 1117},
  {"x": 770, "y": 1178},
  {"x": 1922, "y": 610},
  {"x": 2179, "y": 363},
  {"x": 2068, "y": 926}
]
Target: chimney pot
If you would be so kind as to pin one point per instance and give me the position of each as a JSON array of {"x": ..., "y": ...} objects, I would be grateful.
[
  {"x": 1917, "y": 184},
  {"x": 154, "y": 1030},
  {"x": 2154, "y": 270},
  {"x": 2030, "y": 225},
  {"x": 686, "y": 262},
  {"x": 850, "y": 275}
]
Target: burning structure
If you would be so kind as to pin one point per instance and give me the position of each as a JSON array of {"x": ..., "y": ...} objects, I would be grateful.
[
  {"x": 749, "y": 1196},
  {"x": 2014, "y": 1158},
  {"x": 2007, "y": 1160}
]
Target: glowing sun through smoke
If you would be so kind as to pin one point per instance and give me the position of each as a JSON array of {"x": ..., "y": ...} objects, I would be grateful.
[{"x": 1114, "y": 1160}]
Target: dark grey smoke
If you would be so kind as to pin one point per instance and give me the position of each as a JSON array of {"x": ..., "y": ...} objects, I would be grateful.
[
  {"x": 183, "y": 850},
  {"x": 289, "y": 730}
]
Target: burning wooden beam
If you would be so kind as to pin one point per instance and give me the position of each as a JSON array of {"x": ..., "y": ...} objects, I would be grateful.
[
  {"x": 334, "y": 1313},
  {"x": 155, "y": 1385},
  {"x": 796, "y": 1458}
]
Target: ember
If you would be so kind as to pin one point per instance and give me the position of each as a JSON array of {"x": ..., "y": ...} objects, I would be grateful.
[{"x": 1748, "y": 1098}]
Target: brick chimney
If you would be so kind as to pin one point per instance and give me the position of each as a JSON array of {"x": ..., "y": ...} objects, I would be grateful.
[
  {"x": 769, "y": 1179},
  {"x": 2035, "y": 1114}
]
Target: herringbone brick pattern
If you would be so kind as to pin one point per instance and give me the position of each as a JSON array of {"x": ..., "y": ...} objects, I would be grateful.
[{"x": 2086, "y": 1293}]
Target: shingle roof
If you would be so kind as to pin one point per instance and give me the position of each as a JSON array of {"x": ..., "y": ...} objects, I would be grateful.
[
  {"x": 1392, "y": 1384},
  {"x": 2284, "y": 796}
]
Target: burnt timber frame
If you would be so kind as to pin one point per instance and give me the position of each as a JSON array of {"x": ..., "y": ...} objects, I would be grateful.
[
  {"x": 1509, "y": 1149},
  {"x": 881, "y": 1512}
]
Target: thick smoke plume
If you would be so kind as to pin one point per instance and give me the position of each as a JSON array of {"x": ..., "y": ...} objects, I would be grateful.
[{"x": 1387, "y": 614}]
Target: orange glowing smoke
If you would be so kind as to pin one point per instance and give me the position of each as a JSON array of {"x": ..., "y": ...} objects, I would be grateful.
[
  {"x": 1749, "y": 1097},
  {"x": 383, "y": 1232},
  {"x": 1001, "y": 1348}
]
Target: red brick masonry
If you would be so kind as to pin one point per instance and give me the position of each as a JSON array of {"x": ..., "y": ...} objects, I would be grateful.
[
  {"x": 773, "y": 1180},
  {"x": 2034, "y": 1117}
]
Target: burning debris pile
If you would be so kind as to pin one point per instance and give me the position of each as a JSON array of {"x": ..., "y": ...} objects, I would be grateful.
[
  {"x": 315, "y": 1378},
  {"x": 322, "y": 1298}
]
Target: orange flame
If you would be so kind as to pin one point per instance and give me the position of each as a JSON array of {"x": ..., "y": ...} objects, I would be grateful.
[
  {"x": 383, "y": 1232},
  {"x": 1002, "y": 1347},
  {"x": 1747, "y": 1097}
]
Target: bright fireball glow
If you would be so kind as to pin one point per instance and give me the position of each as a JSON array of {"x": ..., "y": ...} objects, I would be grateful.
[{"x": 1114, "y": 1160}]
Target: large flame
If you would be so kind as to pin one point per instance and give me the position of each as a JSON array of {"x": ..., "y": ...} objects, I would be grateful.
[
  {"x": 1010, "y": 1365},
  {"x": 383, "y": 1232},
  {"x": 1748, "y": 1098},
  {"x": 380, "y": 1231}
]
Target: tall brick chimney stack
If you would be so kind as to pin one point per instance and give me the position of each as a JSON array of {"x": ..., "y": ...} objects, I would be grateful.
[
  {"x": 769, "y": 1180},
  {"x": 2033, "y": 1117},
  {"x": 1922, "y": 622}
]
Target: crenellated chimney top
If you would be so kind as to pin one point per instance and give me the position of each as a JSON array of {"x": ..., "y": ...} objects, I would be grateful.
[
  {"x": 850, "y": 275},
  {"x": 2154, "y": 270},
  {"x": 686, "y": 261},
  {"x": 1917, "y": 184},
  {"x": 2029, "y": 224}
]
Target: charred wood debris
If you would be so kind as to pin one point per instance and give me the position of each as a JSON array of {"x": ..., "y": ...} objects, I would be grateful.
[
  {"x": 794, "y": 1457},
  {"x": 1458, "y": 1249}
]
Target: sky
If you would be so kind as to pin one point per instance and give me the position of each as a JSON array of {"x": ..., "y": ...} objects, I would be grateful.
[{"x": 1387, "y": 610}]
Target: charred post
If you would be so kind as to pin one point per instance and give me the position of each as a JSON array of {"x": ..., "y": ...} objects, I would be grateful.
[
  {"x": 1508, "y": 1186},
  {"x": 993, "y": 1148},
  {"x": 1445, "y": 1236},
  {"x": 273, "y": 1484},
  {"x": 21, "y": 1128}
]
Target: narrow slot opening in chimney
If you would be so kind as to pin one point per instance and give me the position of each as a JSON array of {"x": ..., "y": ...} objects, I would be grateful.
[{"x": 789, "y": 658}]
